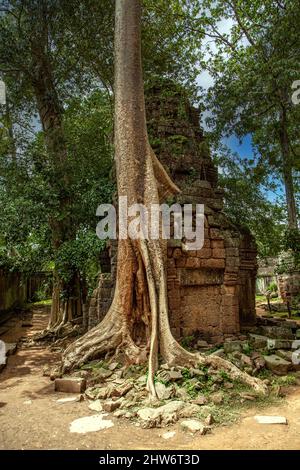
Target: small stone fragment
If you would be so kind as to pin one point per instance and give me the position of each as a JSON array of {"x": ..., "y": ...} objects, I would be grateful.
[
  {"x": 193, "y": 426},
  {"x": 111, "y": 405},
  {"x": 271, "y": 419},
  {"x": 209, "y": 420},
  {"x": 200, "y": 400},
  {"x": 228, "y": 385},
  {"x": 168, "y": 435},
  {"x": 217, "y": 398},
  {"x": 163, "y": 392},
  {"x": 202, "y": 344},
  {"x": 247, "y": 396},
  {"x": 96, "y": 406}
]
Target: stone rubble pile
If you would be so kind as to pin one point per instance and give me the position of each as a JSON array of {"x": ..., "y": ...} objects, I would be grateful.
[{"x": 188, "y": 394}]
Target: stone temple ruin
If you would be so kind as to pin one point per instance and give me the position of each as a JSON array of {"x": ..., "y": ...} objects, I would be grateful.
[{"x": 211, "y": 292}]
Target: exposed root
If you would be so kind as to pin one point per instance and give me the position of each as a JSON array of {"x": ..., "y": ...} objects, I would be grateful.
[
  {"x": 101, "y": 339},
  {"x": 180, "y": 356}
]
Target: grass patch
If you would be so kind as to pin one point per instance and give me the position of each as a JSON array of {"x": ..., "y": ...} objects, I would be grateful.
[
  {"x": 260, "y": 298},
  {"x": 39, "y": 303}
]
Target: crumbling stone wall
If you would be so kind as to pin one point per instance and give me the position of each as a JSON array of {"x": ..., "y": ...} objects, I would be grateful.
[
  {"x": 211, "y": 291},
  {"x": 289, "y": 287},
  {"x": 13, "y": 290}
]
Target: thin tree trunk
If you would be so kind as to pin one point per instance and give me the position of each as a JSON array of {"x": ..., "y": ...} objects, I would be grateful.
[
  {"x": 287, "y": 171},
  {"x": 64, "y": 300},
  {"x": 137, "y": 322}
]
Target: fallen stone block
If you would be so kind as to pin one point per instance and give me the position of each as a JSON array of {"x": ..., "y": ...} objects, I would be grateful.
[
  {"x": 155, "y": 417},
  {"x": 271, "y": 419},
  {"x": 121, "y": 390},
  {"x": 258, "y": 360},
  {"x": 258, "y": 341},
  {"x": 163, "y": 392},
  {"x": 279, "y": 344},
  {"x": 296, "y": 344},
  {"x": 231, "y": 346},
  {"x": 246, "y": 360},
  {"x": 193, "y": 426},
  {"x": 277, "y": 332},
  {"x": 287, "y": 355},
  {"x": 170, "y": 375},
  {"x": 277, "y": 365},
  {"x": 70, "y": 385},
  {"x": 111, "y": 405},
  {"x": 189, "y": 411},
  {"x": 96, "y": 406}
]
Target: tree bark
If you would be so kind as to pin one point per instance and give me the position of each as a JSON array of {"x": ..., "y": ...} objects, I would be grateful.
[
  {"x": 65, "y": 296},
  {"x": 287, "y": 171},
  {"x": 137, "y": 322}
]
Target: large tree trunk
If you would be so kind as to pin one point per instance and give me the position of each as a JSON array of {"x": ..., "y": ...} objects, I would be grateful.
[
  {"x": 287, "y": 171},
  {"x": 137, "y": 323},
  {"x": 66, "y": 299}
]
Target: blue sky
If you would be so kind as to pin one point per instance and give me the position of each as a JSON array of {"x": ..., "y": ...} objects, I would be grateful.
[{"x": 245, "y": 150}]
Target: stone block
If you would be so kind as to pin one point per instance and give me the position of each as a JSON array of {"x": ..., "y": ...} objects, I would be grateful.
[
  {"x": 230, "y": 346},
  {"x": 193, "y": 263},
  {"x": 216, "y": 234},
  {"x": 232, "y": 252},
  {"x": 110, "y": 405},
  {"x": 213, "y": 263},
  {"x": 258, "y": 341},
  {"x": 277, "y": 332},
  {"x": 218, "y": 253},
  {"x": 204, "y": 253},
  {"x": 217, "y": 244},
  {"x": 193, "y": 426},
  {"x": 279, "y": 343},
  {"x": 277, "y": 365},
  {"x": 70, "y": 385}
]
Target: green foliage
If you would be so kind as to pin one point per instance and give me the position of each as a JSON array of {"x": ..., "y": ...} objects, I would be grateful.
[
  {"x": 187, "y": 342},
  {"x": 272, "y": 287},
  {"x": 29, "y": 198},
  {"x": 251, "y": 96}
]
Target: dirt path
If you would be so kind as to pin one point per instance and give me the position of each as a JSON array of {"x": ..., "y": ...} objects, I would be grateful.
[{"x": 30, "y": 417}]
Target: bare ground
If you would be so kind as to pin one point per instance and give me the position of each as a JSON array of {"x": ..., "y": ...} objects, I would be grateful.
[{"x": 30, "y": 417}]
